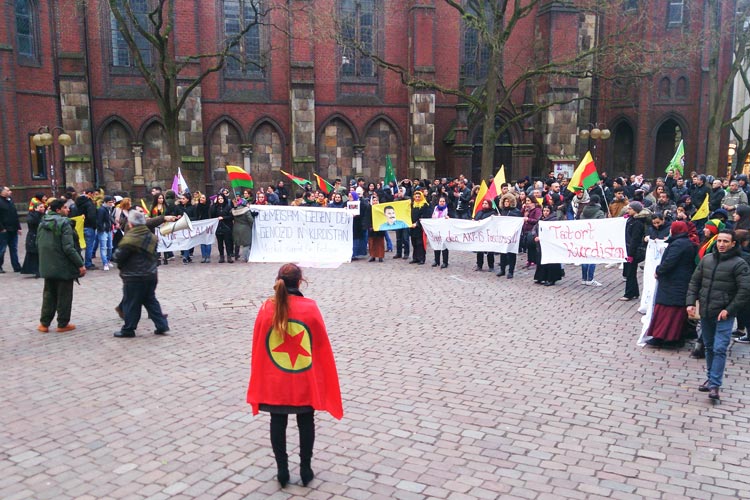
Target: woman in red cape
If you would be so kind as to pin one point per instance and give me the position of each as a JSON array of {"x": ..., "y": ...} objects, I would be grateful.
[{"x": 292, "y": 369}]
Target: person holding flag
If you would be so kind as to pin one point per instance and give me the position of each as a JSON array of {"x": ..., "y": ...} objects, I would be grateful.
[{"x": 292, "y": 369}]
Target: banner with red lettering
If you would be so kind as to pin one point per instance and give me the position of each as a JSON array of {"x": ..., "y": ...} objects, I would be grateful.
[
  {"x": 493, "y": 234},
  {"x": 591, "y": 241}
]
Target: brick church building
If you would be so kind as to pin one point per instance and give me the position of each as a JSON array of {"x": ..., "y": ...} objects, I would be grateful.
[{"x": 304, "y": 104}]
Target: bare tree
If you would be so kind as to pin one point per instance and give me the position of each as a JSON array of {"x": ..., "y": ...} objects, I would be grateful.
[
  {"x": 615, "y": 55},
  {"x": 167, "y": 72}
]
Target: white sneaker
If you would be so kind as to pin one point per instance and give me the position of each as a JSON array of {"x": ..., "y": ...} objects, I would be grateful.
[
  {"x": 106, "y": 267},
  {"x": 594, "y": 283},
  {"x": 584, "y": 282}
]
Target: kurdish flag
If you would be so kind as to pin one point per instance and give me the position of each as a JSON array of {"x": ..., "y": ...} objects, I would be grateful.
[
  {"x": 239, "y": 178},
  {"x": 585, "y": 174},
  {"x": 479, "y": 199},
  {"x": 390, "y": 174},
  {"x": 702, "y": 212},
  {"x": 678, "y": 160},
  {"x": 494, "y": 189},
  {"x": 297, "y": 180},
  {"x": 323, "y": 185}
]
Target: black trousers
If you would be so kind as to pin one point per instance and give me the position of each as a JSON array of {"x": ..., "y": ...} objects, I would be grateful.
[
  {"x": 57, "y": 298},
  {"x": 630, "y": 270},
  {"x": 490, "y": 260},
  {"x": 225, "y": 241},
  {"x": 508, "y": 260},
  {"x": 402, "y": 243},
  {"x": 418, "y": 251},
  {"x": 141, "y": 293},
  {"x": 306, "y": 427},
  {"x": 437, "y": 255}
]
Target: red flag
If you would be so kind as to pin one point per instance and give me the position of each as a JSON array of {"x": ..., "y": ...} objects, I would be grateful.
[{"x": 297, "y": 368}]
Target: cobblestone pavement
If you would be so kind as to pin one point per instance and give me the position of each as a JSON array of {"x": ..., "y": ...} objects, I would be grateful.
[{"x": 456, "y": 384}]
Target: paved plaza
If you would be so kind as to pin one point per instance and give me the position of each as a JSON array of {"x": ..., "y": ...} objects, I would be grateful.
[{"x": 456, "y": 384}]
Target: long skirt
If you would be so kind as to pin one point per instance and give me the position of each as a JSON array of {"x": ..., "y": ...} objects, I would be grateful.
[
  {"x": 376, "y": 245},
  {"x": 667, "y": 322}
]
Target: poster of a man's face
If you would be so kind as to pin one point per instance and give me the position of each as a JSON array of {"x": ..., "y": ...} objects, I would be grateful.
[{"x": 391, "y": 216}]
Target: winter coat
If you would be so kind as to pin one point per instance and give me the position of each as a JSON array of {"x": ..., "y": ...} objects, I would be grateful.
[
  {"x": 55, "y": 241},
  {"x": 105, "y": 218},
  {"x": 484, "y": 214},
  {"x": 699, "y": 193},
  {"x": 658, "y": 234},
  {"x": 715, "y": 198},
  {"x": 533, "y": 217},
  {"x": 635, "y": 231},
  {"x": 423, "y": 212},
  {"x": 8, "y": 215},
  {"x": 744, "y": 212},
  {"x": 242, "y": 230},
  {"x": 33, "y": 220},
  {"x": 674, "y": 272},
  {"x": 223, "y": 210},
  {"x": 733, "y": 199},
  {"x": 86, "y": 207},
  {"x": 136, "y": 255},
  {"x": 592, "y": 212},
  {"x": 721, "y": 281},
  {"x": 202, "y": 211}
]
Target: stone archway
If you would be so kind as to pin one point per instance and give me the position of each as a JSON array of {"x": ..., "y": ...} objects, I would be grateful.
[
  {"x": 157, "y": 170},
  {"x": 381, "y": 139},
  {"x": 668, "y": 137},
  {"x": 117, "y": 158},
  {"x": 268, "y": 153},
  {"x": 336, "y": 151},
  {"x": 224, "y": 149}
]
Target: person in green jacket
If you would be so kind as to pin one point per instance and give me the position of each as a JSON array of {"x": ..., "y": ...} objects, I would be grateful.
[{"x": 59, "y": 264}]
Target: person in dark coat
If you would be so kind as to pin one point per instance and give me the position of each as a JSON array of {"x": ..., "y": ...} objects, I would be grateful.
[
  {"x": 60, "y": 264},
  {"x": 419, "y": 209},
  {"x": 10, "y": 229},
  {"x": 545, "y": 274},
  {"x": 203, "y": 212},
  {"x": 31, "y": 260},
  {"x": 222, "y": 210},
  {"x": 673, "y": 275},
  {"x": 508, "y": 208},
  {"x": 242, "y": 229},
  {"x": 137, "y": 260},
  {"x": 484, "y": 212},
  {"x": 635, "y": 232},
  {"x": 184, "y": 207},
  {"x": 721, "y": 283},
  {"x": 86, "y": 207}
]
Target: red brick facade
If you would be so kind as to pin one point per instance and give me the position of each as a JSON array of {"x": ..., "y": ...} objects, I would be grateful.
[{"x": 303, "y": 116}]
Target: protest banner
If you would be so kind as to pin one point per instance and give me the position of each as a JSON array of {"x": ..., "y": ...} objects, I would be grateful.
[
  {"x": 591, "y": 241},
  {"x": 392, "y": 215},
  {"x": 654, "y": 253},
  {"x": 203, "y": 233},
  {"x": 311, "y": 236},
  {"x": 493, "y": 234}
]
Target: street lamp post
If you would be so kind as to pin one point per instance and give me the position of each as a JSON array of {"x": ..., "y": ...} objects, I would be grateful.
[
  {"x": 46, "y": 137},
  {"x": 595, "y": 131}
]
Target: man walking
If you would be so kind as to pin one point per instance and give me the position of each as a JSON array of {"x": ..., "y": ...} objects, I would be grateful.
[
  {"x": 59, "y": 264},
  {"x": 10, "y": 229},
  {"x": 137, "y": 260},
  {"x": 722, "y": 284}
]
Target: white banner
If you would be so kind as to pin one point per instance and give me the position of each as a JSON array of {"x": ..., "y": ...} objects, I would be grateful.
[
  {"x": 493, "y": 234},
  {"x": 305, "y": 235},
  {"x": 591, "y": 241},
  {"x": 203, "y": 233},
  {"x": 654, "y": 253}
]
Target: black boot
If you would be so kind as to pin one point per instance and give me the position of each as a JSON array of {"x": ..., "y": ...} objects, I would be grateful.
[
  {"x": 306, "y": 472},
  {"x": 221, "y": 259},
  {"x": 306, "y": 426},
  {"x": 278, "y": 443}
]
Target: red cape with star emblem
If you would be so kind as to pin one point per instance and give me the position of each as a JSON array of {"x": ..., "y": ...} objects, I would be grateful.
[{"x": 295, "y": 370}]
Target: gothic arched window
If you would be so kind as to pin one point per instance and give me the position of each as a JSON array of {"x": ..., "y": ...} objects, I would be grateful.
[
  {"x": 359, "y": 27},
  {"x": 26, "y": 30},
  {"x": 244, "y": 58},
  {"x": 121, "y": 56}
]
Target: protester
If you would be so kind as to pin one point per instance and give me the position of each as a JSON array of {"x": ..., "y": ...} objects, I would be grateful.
[
  {"x": 292, "y": 369},
  {"x": 86, "y": 207},
  {"x": 419, "y": 209},
  {"x": 484, "y": 212},
  {"x": 545, "y": 274},
  {"x": 31, "y": 260},
  {"x": 105, "y": 222},
  {"x": 592, "y": 210},
  {"x": 375, "y": 239},
  {"x": 673, "y": 276},
  {"x": 203, "y": 212},
  {"x": 441, "y": 212},
  {"x": 635, "y": 233},
  {"x": 242, "y": 229},
  {"x": 184, "y": 207},
  {"x": 743, "y": 316},
  {"x": 721, "y": 284},
  {"x": 531, "y": 211},
  {"x": 60, "y": 265},
  {"x": 508, "y": 259},
  {"x": 222, "y": 210},
  {"x": 137, "y": 260}
]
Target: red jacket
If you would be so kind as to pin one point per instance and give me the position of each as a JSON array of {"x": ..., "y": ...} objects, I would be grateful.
[{"x": 297, "y": 369}]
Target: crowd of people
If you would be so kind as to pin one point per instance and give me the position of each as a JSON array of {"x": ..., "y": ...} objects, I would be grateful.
[{"x": 668, "y": 209}]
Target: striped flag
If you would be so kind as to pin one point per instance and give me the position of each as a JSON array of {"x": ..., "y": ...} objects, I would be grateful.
[
  {"x": 297, "y": 180},
  {"x": 238, "y": 178},
  {"x": 323, "y": 185},
  {"x": 585, "y": 174}
]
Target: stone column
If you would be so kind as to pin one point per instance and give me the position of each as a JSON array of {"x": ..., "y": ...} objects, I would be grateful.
[
  {"x": 247, "y": 154},
  {"x": 137, "y": 149},
  {"x": 422, "y": 135},
  {"x": 359, "y": 151}
]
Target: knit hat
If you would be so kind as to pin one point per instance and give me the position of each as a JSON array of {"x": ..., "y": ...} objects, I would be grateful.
[
  {"x": 720, "y": 212},
  {"x": 714, "y": 225},
  {"x": 636, "y": 205}
]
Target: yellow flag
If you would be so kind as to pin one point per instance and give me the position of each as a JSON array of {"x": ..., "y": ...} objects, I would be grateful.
[
  {"x": 79, "y": 230},
  {"x": 478, "y": 200},
  {"x": 145, "y": 208},
  {"x": 500, "y": 177},
  {"x": 702, "y": 212}
]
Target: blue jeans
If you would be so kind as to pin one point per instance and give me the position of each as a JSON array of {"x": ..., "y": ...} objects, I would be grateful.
[
  {"x": 205, "y": 251},
  {"x": 105, "y": 246},
  {"x": 587, "y": 272},
  {"x": 716, "y": 337},
  {"x": 388, "y": 242},
  {"x": 9, "y": 240},
  {"x": 89, "y": 234}
]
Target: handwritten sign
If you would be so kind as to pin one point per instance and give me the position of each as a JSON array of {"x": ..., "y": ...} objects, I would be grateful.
[
  {"x": 203, "y": 233},
  {"x": 494, "y": 234},
  {"x": 583, "y": 241},
  {"x": 654, "y": 253},
  {"x": 301, "y": 234}
]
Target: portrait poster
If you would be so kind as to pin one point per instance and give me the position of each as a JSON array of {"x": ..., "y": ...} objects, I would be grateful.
[{"x": 391, "y": 216}]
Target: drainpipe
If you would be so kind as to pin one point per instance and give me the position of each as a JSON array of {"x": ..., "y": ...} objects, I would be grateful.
[{"x": 94, "y": 156}]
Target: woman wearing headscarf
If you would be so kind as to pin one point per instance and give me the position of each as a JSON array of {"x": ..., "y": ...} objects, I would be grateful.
[
  {"x": 673, "y": 276},
  {"x": 292, "y": 371},
  {"x": 710, "y": 230},
  {"x": 420, "y": 209},
  {"x": 31, "y": 260},
  {"x": 545, "y": 274}
]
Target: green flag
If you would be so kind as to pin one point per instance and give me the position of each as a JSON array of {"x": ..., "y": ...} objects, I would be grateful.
[
  {"x": 678, "y": 160},
  {"x": 390, "y": 175}
]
